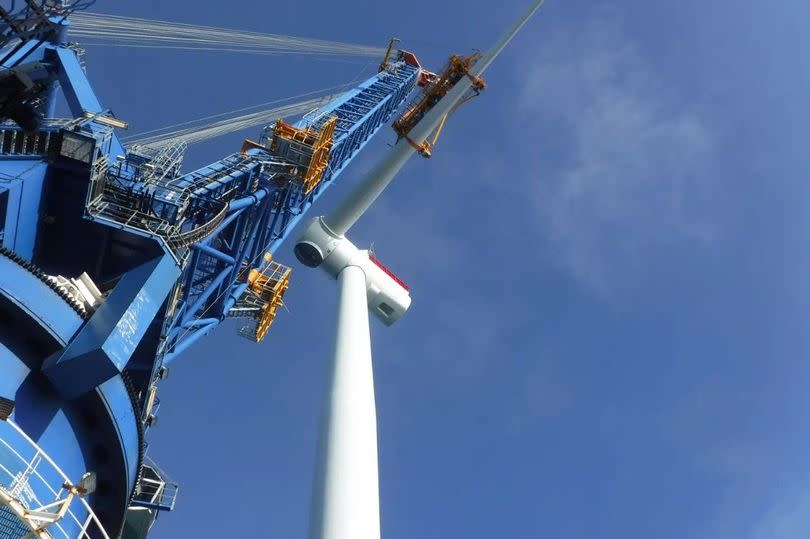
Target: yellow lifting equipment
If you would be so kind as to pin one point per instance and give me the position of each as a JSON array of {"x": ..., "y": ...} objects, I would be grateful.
[
  {"x": 307, "y": 147},
  {"x": 268, "y": 284},
  {"x": 434, "y": 90}
]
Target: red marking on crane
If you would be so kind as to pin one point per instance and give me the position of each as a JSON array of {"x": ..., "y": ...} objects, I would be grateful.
[
  {"x": 427, "y": 77},
  {"x": 424, "y": 149},
  {"x": 388, "y": 272},
  {"x": 411, "y": 59}
]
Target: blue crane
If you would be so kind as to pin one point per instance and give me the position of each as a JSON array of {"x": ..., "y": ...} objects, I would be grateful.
[{"x": 113, "y": 262}]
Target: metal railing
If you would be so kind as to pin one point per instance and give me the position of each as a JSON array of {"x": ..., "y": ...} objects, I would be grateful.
[
  {"x": 155, "y": 489},
  {"x": 39, "y": 494}
]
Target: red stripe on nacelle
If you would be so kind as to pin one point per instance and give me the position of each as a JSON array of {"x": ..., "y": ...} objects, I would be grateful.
[{"x": 388, "y": 272}]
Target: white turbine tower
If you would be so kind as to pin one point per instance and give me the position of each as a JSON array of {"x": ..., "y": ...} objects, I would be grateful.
[{"x": 345, "y": 499}]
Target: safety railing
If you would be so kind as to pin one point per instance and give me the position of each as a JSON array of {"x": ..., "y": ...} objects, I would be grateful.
[
  {"x": 37, "y": 499},
  {"x": 155, "y": 489}
]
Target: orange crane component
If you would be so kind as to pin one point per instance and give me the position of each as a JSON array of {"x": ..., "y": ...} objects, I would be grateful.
[
  {"x": 306, "y": 147},
  {"x": 269, "y": 285},
  {"x": 435, "y": 88}
]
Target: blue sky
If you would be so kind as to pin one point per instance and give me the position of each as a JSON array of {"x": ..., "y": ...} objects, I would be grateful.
[{"x": 607, "y": 256}]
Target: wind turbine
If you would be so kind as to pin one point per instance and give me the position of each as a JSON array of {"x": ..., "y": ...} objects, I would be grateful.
[{"x": 345, "y": 498}]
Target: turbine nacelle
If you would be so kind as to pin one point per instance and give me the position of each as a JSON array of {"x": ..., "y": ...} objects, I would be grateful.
[{"x": 319, "y": 247}]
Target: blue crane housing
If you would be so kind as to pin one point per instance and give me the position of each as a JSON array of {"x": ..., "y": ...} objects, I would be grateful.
[{"x": 114, "y": 261}]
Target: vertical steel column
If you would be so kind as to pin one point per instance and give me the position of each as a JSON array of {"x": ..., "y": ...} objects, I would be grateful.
[{"x": 345, "y": 498}]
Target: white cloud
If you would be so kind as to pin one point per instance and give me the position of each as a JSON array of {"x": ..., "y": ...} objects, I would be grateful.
[
  {"x": 787, "y": 519},
  {"x": 753, "y": 484},
  {"x": 629, "y": 172}
]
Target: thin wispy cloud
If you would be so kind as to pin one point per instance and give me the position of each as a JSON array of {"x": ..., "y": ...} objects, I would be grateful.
[
  {"x": 786, "y": 519},
  {"x": 628, "y": 173}
]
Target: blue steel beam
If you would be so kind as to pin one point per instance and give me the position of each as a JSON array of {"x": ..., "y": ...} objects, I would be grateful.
[
  {"x": 78, "y": 91},
  {"x": 104, "y": 345},
  {"x": 361, "y": 113}
]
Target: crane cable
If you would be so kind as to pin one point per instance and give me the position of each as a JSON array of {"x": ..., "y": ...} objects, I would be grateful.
[
  {"x": 196, "y": 133},
  {"x": 198, "y": 130},
  {"x": 114, "y": 30}
]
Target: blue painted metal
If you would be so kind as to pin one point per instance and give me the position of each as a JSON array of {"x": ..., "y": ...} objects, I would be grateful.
[
  {"x": 37, "y": 301},
  {"x": 361, "y": 113},
  {"x": 78, "y": 91},
  {"x": 103, "y": 347},
  {"x": 168, "y": 255},
  {"x": 23, "y": 180}
]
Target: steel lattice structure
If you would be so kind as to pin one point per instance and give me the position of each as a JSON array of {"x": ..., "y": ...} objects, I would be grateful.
[{"x": 114, "y": 262}]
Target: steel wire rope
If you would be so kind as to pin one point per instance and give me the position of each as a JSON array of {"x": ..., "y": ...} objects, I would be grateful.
[
  {"x": 163, "y": 133},
  {"x": 130, "y": 31},
  {"x": 242, "y": 109},
  {"x": 195, "y": 134},
  {"x": 314, "y": 55},
  {"x": 209, "y": 35},
  {"x": 198, "y": 133}
]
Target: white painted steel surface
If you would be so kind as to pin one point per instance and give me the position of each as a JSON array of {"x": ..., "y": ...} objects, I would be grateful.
[
  {"x": 345, "y": 500},
  {"x": 387, "y": 299},
  {"x": 367, "y": 191}
]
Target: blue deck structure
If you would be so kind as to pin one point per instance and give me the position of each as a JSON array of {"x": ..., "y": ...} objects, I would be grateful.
[{"x": 113, "y": 263}]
